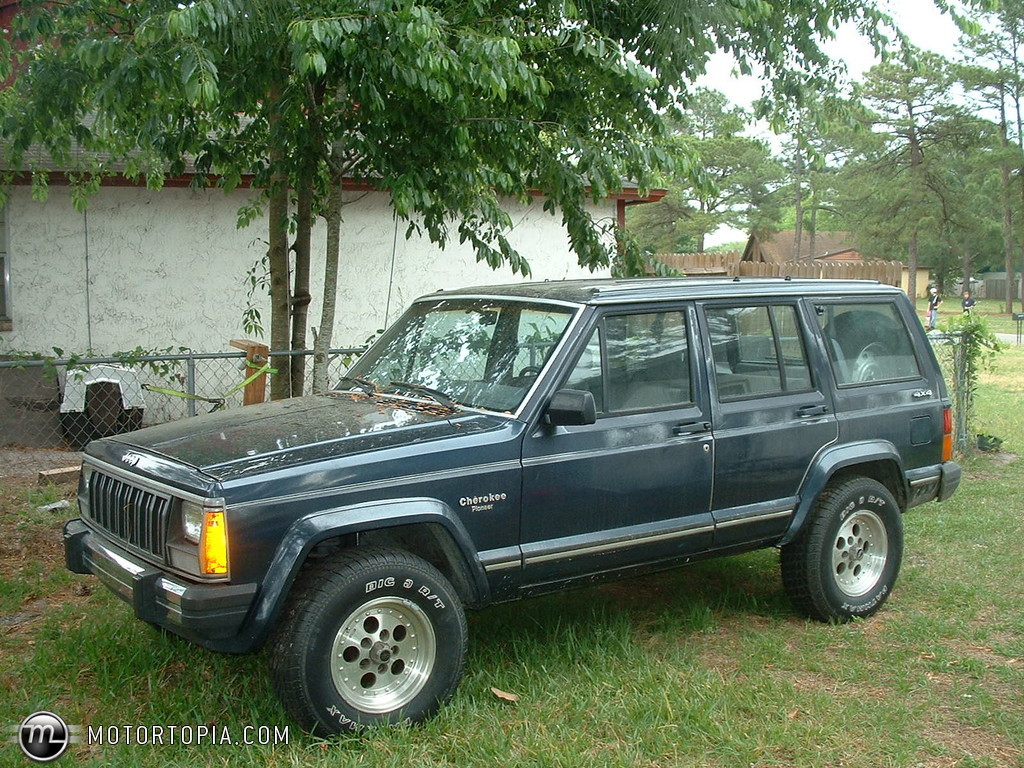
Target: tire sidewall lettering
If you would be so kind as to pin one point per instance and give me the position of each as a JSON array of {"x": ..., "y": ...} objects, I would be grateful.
[
  {"x": 870, "y": 502},
  {"x": 868, "y": 606},
  {"x": 424, "y": 591}
]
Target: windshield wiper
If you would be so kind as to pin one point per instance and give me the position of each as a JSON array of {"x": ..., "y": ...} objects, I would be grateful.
[
  {"x": 363, "y": 385},
  {"x": 434, "y": 394}
]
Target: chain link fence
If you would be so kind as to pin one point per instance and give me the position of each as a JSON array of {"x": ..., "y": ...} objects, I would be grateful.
[
  {"x": 51, "y": 408},
  {"x": 950, "y": 353}
]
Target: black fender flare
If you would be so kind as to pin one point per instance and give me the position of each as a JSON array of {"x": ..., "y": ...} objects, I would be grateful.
[
  {"x": 305, "y": 533},
  {"x": 832, "y": 461}
]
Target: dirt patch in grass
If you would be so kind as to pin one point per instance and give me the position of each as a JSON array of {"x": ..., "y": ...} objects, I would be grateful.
[
  {"x": 27, "y": 535},
  {"x": 20, "y": 463},
  {"x": 31, "y": 544},
  {"x": 1000, "y": 459},
  {"x": 966, "y": 741}
]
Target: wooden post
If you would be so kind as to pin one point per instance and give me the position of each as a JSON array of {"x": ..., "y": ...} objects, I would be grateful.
[{"x": 257, "y": 353}]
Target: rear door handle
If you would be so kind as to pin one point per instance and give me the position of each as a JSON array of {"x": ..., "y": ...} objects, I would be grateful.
[
  {"x": 809, "y": 411},
  {"x": 690, "y": 427}
]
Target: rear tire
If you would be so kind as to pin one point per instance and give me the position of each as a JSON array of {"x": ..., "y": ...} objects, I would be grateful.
[
  {"x": 369, "y": 638},
  {"x": 846, "y": 560}
]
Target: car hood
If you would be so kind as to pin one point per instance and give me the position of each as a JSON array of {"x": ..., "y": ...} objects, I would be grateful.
[{"x": 285, "y": 433}]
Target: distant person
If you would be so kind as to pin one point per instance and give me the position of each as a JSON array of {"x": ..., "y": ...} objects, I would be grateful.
[
  {"x": 968, "y": 302},
  {"x": 933, "y": 308}
]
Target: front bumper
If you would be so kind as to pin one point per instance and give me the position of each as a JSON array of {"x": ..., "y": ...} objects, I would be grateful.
[{"x": 203, "y": 613}]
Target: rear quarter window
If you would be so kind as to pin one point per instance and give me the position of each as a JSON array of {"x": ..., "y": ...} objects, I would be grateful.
[{"x": 868, "y": 343}]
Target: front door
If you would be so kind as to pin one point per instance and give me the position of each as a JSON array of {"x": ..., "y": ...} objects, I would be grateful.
[{"x": 635, "y": 487}]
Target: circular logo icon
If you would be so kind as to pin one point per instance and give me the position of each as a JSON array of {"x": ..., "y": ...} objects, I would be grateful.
[{"x": 43, "y": 737}]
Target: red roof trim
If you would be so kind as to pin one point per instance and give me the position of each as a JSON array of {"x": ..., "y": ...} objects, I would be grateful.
[{"x": 59, "y": 178}]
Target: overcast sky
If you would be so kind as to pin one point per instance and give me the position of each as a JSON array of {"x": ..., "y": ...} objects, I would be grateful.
[{"x": 919, "y": 19}]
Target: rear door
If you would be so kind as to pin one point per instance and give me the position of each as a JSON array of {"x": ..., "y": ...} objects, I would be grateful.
[
  {"x": 771, "y": 415},
  {"x": 886, "y": 387}
]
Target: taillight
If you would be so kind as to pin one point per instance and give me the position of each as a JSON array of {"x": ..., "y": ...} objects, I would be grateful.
[{"x": 947, "y": 434}]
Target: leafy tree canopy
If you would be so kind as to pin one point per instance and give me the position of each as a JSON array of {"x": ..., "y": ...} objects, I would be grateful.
[
  {"x": 735, "y": 185},
  {"x": 449, "y": 105}
]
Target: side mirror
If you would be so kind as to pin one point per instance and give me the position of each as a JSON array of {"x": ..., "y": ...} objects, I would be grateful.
[{"x": 572, "y": 408}]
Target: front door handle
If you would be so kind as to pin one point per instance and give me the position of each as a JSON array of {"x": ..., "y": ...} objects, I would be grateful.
[
  {"x": 809, "y": 411},
  {"x": 690, "y": 427}
]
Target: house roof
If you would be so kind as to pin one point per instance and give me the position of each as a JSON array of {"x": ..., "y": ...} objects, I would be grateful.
[
  {"x": 780, "y": 247},
  {"x": 38, "y": 159},
  {"x": 7, "y": 10}
]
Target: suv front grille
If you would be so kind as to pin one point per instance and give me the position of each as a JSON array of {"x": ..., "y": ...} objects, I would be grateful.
[{"x": 135, "y": 515}]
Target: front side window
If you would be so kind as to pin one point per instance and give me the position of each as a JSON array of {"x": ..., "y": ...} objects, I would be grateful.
[
  {"x": 478, "y": 353},
  {"x": 867, "y": 343},
  {"x": 636, "y": 362},
  {"x": 757, "y": 350}
]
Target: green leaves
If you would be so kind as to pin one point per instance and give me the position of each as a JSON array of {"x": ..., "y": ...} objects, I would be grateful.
[
  {"x": 451, "y": 105},
  {"x": 721, "y": 178},
  {"x": 199, "y": 76}
]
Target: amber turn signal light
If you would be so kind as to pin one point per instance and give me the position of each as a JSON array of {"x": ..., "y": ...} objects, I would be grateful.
[{"x": 213, "y": 546}]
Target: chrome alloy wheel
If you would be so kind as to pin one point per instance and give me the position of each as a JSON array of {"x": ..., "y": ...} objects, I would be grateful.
[
  {"x": 860, "y": 553},
  {"x": 383, "y": 655}
]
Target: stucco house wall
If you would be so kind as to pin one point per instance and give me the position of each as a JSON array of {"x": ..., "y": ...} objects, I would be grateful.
[{"x": 167, "y": 268}]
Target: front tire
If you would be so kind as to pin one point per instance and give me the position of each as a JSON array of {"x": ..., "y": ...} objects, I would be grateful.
[
  {"x": 845, "y": 562},
  {"x": 369, "y": 638}
]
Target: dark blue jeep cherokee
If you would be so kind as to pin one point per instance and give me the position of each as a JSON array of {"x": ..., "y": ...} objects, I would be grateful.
[{"x": 500, "y": 442}]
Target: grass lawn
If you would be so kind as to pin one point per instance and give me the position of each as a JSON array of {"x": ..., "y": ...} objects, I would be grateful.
[
  {"x": 993, "y": 310},
  {"x": 704, "y": 666}
]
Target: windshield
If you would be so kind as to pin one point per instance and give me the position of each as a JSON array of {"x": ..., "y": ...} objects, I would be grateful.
[{"x": 472, "y": 352}]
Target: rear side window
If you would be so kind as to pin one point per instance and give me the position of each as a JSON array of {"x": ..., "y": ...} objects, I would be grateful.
[
  {"x": 867, "y": 343},
  {"x": 757, "y": 351}
]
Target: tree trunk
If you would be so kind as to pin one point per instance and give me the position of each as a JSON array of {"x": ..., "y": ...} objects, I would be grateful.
[
  {"x": 300, "y": 291},
  {"x": 280, "y": 316},
  {"x": 325, "y": 334},
  {"x": 916, "y": 160},
  {"x": 1011, "y": 283},
  {"x": 1004, "y": 189},
  {"x": 798, "y": 234},
  {"x": 813, "y": 234},
  {"x": 912, "y": 266},
  {"x": 280, "y": 305},
  {"x": 1004, "y": 184}
]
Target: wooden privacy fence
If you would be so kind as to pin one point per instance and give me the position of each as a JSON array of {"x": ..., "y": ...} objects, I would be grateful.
[
  {"x": 888, "y": 272},
  {"x": 700, "y": 263},
  {"x": 728, "y": 263}
]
